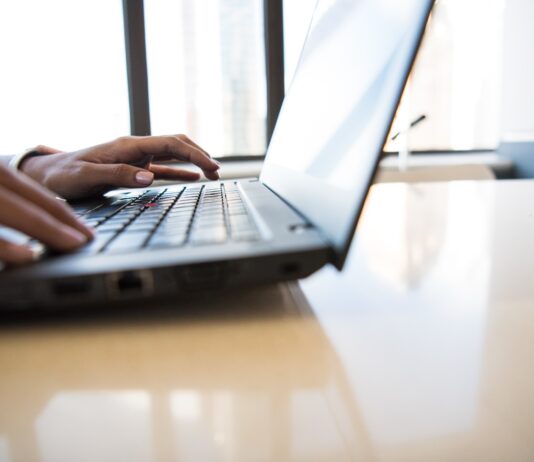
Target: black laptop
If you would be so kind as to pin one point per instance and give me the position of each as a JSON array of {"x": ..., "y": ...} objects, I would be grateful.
[{"x": 299, "y": 215}]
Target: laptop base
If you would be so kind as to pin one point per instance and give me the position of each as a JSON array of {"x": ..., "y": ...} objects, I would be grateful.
[{"x": 169, "y": 283}]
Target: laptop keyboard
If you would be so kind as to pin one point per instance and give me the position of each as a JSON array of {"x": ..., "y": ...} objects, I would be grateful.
[{"x": 193, "y": 215}]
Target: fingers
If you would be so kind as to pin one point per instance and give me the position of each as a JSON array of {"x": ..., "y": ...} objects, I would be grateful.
[
  {"x": 13, "y": 254},
  {"x": 191, "y": 152},
  {"x": 191, "y": 142},
  {"x": 28, "y": 189},
  {"x": 128, "y": 176},
  {"x": 18, "y": 213},
  {"x": 163, "y": 172},
  {"x": 178, "y": 147},
  {"x": 41, "y": 149},
  {"x": 120, "y": 175}
]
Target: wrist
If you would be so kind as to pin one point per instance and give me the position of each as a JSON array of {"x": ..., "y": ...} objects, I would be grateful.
[
  {"x": 36, "y": 163},
  {"x": 50, "y": 171},
  {"x": 16, "y": 162},
  {"x": 27, "y": 165}
]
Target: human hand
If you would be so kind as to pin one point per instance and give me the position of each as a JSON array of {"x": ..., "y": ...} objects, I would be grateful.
[
  {"x": 29, "y": 208},
  {"x": 125, "y": 162}
]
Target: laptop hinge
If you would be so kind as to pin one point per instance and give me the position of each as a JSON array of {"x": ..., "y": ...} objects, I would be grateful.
[{"x": 331, "y": 251}]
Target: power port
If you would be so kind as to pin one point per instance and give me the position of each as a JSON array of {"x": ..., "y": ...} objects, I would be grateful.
[{"x": 289, "y": 269}]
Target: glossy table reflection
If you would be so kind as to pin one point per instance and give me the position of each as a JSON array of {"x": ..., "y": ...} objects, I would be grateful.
[{"x": 421, "y": 350}]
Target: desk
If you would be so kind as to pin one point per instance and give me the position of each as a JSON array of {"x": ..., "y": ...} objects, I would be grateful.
[{"x": 421, "y": 350}]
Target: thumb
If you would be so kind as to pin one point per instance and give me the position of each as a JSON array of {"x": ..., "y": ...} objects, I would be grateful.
[
  {"x": 123, "y": 175},
  {"x": 41, "y": 149}
]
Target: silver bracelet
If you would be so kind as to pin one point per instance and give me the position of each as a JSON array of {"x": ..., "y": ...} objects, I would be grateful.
[{"x": 17, "y": 160}]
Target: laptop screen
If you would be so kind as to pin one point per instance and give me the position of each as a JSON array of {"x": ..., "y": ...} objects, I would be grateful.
[{"x": 339, "y": 108}]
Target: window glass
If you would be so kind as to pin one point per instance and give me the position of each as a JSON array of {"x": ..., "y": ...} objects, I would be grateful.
[
  {"x": 206, "y": 69},
  {"x": 63, "y": 80},
  {"x": 456, "y": 82}
]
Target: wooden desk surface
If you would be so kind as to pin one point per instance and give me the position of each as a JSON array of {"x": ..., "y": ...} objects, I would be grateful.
[{"x": 421, "y": 350}]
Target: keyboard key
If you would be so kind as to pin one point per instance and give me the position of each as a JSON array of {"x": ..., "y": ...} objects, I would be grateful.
[
  {"x": 118, "y": 221},
  {"x": 107, "y": 226},
  {"x": 136, "y": 226},
  {"x": 175, "y": 222},
  {"x": 237, "y": 212},
  {"x": 128, "y": 241},
  {"x": 152, "y": 220},
  {"x": 167, "y": 241},
  {"x": 172, "y": 230},
  {"x": 176, "y": 212},
  {"x": 93, "y": 221},
  {"x": 212, "y": 236},
  {"x": 240, "y": 221},
  {"x": 149, "y": 211},
  {"x": 100, "y": 240},
  {"x": 105, "y": 211},
  {"x": 173, "y": 227},
  {"x": 208, "y": 225}
]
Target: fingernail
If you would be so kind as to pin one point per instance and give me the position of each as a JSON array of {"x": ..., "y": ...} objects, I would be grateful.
[
  {"x": 144, "y": 178},
  {"x": 87, "y": 229},
  {"x": 76, "y": 237},
  {"x": 91, "y": 231},
  {"x": 36, "y": 251}
]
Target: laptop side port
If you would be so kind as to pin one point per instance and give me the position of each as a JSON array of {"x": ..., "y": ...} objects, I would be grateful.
[
  {"x": 203, "y": 276},
  {"x": 290, "y": 269},
  {"x": 71, "y": 288},
  {"x": 131, "y": 284}
]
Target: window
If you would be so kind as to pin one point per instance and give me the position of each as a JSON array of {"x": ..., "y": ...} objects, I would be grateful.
[
  {"x": 206, "y": 71},
  {"x": 456, "y": 82},
  {"x": 63, "y": 79}
]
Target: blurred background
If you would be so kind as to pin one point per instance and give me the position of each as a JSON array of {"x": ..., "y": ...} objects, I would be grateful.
[{"x": 64, "y": 79}]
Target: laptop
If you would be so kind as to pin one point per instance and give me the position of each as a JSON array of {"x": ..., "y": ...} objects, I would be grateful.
[{"x": 298, "y": 216}]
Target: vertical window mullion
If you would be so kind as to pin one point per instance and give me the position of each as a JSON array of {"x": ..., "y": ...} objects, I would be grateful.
[
  {"x": 136, "y": 64},
  {"x": 274, "y": 60}
]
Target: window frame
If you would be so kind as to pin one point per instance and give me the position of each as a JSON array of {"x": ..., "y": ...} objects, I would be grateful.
[
  {"x": 136, "y": 66},
  {"x": 137, "y": 73},
  {"x": 137, "y": 70}
]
